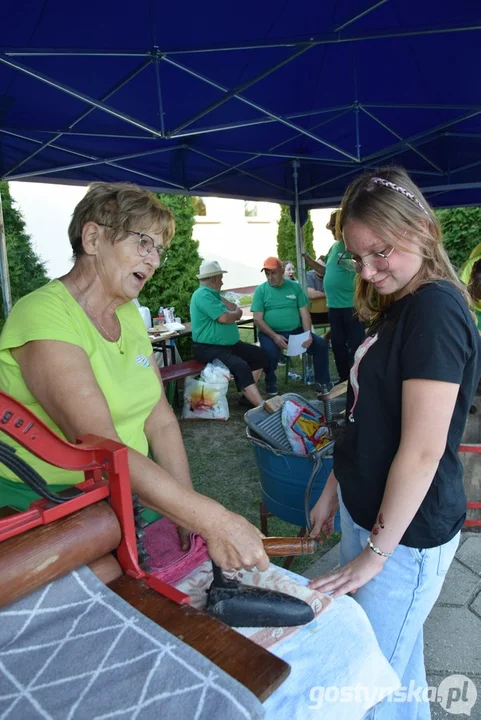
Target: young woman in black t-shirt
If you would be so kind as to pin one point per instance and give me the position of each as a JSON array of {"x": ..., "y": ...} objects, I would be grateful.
[{"x": 397, "y": 475}]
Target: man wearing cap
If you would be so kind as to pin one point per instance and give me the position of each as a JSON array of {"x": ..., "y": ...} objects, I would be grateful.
[
  {"x": 216, "y": 335},
  {"x": 281, "y": 308},
  {"x": 347, "y": 331}
]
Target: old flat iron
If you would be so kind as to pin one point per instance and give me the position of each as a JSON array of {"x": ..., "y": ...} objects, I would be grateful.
[{"x": 240, "y": 605}]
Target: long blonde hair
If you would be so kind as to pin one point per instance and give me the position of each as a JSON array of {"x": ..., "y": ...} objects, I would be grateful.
[{"x": 388, "y": 200}]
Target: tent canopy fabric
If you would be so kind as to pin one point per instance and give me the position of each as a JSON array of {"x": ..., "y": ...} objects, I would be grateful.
[{"x": 231, "y": 99}]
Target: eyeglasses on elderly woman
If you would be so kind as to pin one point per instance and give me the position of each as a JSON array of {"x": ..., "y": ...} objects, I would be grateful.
[
  {"x": 379, "y": 260},
  {"x": 145, "y": 245}
]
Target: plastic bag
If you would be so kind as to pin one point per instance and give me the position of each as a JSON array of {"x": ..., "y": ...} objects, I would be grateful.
[
  {"x": 168, "y": 314},
  {"x": 206, "y": 398},
  {"x": 215, "y": 372},
  {"x": 303, "y": 428}
]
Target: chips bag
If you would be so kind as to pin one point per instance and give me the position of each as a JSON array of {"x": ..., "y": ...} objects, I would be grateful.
[{"x": 304, "y": 429}]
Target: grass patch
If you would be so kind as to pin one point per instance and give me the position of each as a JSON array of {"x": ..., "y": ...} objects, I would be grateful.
[{"x": 223, "y": 465}]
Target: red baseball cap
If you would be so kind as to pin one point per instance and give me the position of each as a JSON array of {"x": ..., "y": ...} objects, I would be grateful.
[{"x": 272, "y": 263}]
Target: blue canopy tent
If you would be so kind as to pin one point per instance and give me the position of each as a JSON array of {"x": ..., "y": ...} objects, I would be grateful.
[{"x": 281, "y": 101}]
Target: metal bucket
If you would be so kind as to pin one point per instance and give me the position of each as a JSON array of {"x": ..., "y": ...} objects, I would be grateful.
[{"x": 284, "y": 477}]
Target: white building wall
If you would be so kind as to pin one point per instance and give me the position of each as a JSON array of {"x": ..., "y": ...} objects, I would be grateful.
[{"x": 239, "y": 243}]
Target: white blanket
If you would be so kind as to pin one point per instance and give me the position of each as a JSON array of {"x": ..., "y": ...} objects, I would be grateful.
[{"x": 337, "y": 668}]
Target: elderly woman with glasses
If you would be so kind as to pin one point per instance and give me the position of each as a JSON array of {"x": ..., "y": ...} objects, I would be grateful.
[
  {"x": 77, "y": 354},
  {"x": 397, "y": 475}
]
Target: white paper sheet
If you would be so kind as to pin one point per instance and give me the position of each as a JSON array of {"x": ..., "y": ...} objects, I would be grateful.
[{"x": 295, "y": 344}]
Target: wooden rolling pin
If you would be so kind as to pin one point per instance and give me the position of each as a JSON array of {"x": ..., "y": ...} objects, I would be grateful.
[
  {"x": 47, "y": 552},
  {"x": 286, "y": 546}
]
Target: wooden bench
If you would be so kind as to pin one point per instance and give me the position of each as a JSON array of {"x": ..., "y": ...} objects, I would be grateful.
[{"x": 172, "y": 373}]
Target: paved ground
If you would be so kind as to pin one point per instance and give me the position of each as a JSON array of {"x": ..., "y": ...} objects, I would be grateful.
[{"x": 452, "y": 632}]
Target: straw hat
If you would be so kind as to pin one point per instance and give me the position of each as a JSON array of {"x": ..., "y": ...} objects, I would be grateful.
[{"x": 210, "y": 268}]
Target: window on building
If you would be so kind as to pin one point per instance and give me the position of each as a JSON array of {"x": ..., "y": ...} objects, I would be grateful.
[{"x": 250, "y": 208}]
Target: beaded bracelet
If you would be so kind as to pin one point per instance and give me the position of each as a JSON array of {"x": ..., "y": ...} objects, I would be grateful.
[{"x": 376, "y": 549}]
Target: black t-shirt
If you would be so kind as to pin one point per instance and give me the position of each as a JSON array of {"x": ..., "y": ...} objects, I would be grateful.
[{"x": 431, "y": 335}]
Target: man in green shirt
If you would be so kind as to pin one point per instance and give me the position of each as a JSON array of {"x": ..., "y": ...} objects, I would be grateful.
[
  {"x": 216, "y": 335},
  {"x": 347, "y": 331},
  {"x": 281, "y": 308}
]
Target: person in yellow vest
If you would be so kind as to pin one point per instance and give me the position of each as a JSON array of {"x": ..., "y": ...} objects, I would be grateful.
[
  {"x": 76, "y": 353},
  {"x": 470, "y": 274}
]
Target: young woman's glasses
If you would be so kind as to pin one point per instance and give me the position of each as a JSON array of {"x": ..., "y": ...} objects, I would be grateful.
[
  {"x": 145, "y": 245},
  {"x": 378, "y": 260}
]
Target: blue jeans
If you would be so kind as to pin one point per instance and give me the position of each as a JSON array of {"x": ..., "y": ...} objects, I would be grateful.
[
  {"x": 397, "y": 603},
  {"x": 319, "y": 349}
]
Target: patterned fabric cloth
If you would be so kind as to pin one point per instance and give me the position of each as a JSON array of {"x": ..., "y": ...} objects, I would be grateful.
[
  {"x": 198, "y": 582},
  {"x": 74, "y": 650},
  {"x": 338, "y": 671}
]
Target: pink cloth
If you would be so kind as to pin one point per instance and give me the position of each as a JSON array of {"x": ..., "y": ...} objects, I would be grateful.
[{"x": 168, "y": 562}]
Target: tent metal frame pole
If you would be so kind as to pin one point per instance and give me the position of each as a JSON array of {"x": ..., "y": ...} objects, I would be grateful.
[
  {"x": 273, "y": 147},
  {"x": 77, "y": 133},
  {"x": 301, "y": 267},
  {"x": 431, "y": 189},
  {"x": 340, "y": 109},
  {"x": 334, "y": 39},
  {"x": 465, "y": 167},
  {"x": 235, "y": 93},
  {"x": 159, "y": 91},
  {"x": 241, "y": 98},
  {"x": 49, "y": 143},
  {"x": 39, "y": 142},
  {"x": 383, "y": 156},
  {"x": 425, "y": 136},
  {"x": 328, "y": 182},
  {"x": 451, "y": 186},
  {"x": 286, "y": 156},
  {"x": 420, "y": 106},
  {"x": 399, "y": 137},
  {"x": 5, "y": 277},
  {"x": 53, "y": 52},
  {"x": 229, "y": 168},
  {"x": 78, "y": 95},
  {"x": 95, "y": 160},
  {"x": 462, "y": 134},
  {"x": 358, "y": 137},
  {"x": 100, "y": 161}
]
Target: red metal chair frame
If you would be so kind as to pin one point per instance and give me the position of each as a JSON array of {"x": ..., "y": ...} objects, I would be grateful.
[
  {"x": 472, "y": 448},
  {"x": 105, "y": 465}
]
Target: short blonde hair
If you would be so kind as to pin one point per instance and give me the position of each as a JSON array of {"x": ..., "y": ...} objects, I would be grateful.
[
  {"x": 122, "y": 207},
  {"x": 388, "y": 200}
]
